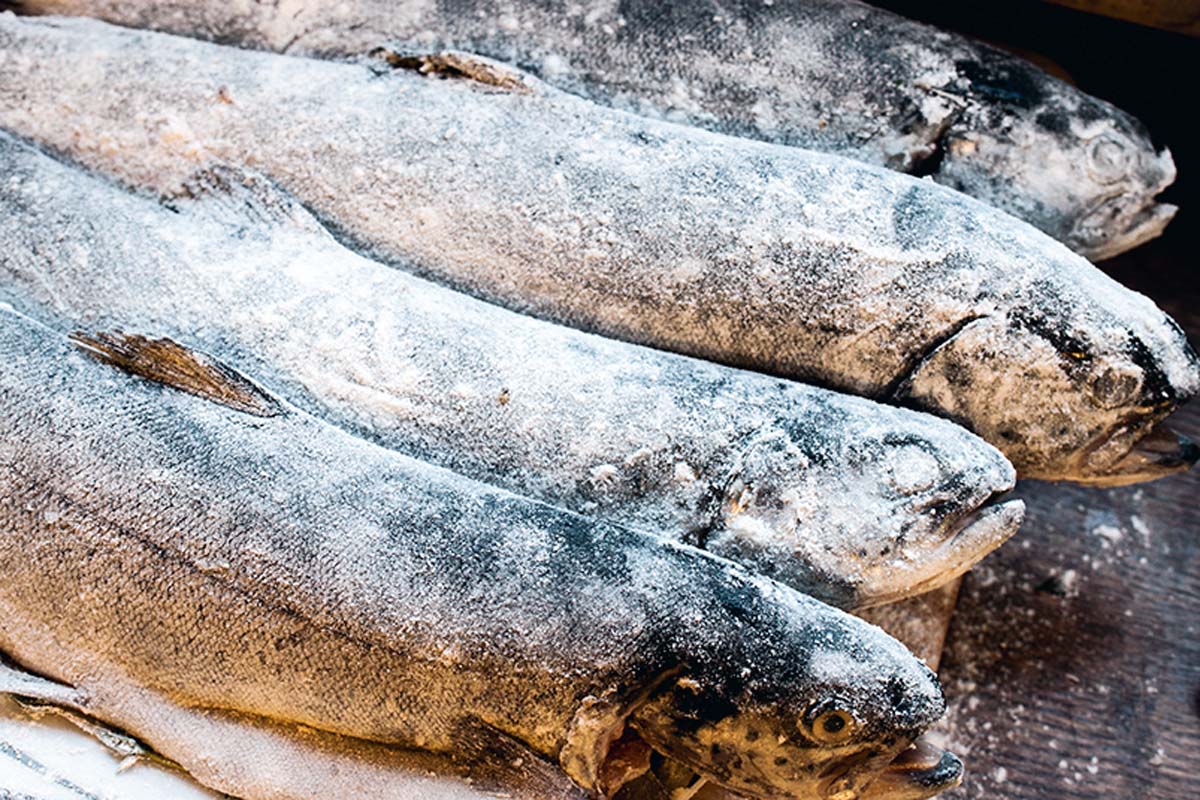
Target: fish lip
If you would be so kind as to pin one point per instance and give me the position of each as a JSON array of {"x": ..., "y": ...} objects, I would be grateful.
[
  {"x": 919, "y": 772},
  {"x": 1147, "y": 224},
  {"x": 1159, "y": 451},
  {"x": 964, "y": 541},
  {"x": 974, "y": 535}
]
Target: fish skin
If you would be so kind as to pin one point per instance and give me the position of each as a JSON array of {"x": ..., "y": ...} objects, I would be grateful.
[
  {"x": 160, "y": 546},
  {"x": 810, "y": 479},
  {"x": 832, "y": 75},
  {"x": 777, "y": 259}
]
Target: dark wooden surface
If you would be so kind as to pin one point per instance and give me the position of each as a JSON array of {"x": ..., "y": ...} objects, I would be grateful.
[{"x": 1073, "y": 661}]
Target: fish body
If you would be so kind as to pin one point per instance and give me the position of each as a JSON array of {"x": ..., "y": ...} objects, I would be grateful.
[
  {"x": 182, "y": 564},
  {"x": 825, "y": 492},
  {"x": 832, "y": 75},
  {"x": 771, "y": 258}
]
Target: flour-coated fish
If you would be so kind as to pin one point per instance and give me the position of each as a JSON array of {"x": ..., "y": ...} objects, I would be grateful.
[
  {"x": 212, "y": 569},
  {"x": 761, "y": 256},
  {"x": 832, "y": 75},
  {"x": 853, "y": 502}
]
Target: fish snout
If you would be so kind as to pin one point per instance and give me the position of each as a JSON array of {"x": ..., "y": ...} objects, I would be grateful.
[
  {"x": 1127, "y": 215},
  {"x": 1137, "y": 445},
  {"x": 969, "y": 494}
]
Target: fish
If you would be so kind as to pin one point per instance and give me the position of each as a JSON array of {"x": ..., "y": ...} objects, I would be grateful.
[
  {"x": 850, "y": 501},
  {"x": 836, "y": 76},
  {"x": 192, "y": 560},
  {"x": 774, "y": 259}
]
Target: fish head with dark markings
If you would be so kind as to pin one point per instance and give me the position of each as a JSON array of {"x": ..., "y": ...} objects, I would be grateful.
[
  {"x": 1083, "y": 170},
  {"x": 828, "y": 709},
  {"x": 859, "y": 504},
  {"x": 1073, "y": 383}
]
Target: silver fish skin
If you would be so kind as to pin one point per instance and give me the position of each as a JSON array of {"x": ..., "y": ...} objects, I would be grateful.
[
  {"x": 260, "y": 565},
  {"x": 836, "y": 76},
  {"x": 772, "y": 258},
  {"x": 850, "y": 501}
]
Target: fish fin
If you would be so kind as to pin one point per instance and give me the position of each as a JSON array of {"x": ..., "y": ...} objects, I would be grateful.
[
  {"x": 596, "y": 724},
  {"x": 459, "y": 64},
  {"x": 494, "y": 760},
  {"x": 22, "y": 684},
  {"x": 126, "y": 747},
  {"x": 241, "y": 197},
  {"x": 171, "y": 364},
  {"x": 39, "y": 696}
]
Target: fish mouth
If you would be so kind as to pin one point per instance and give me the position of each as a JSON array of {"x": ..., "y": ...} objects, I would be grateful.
[
  {"x": 963, "y": 543},
  {"x": 1157, "y": 453},
  {"x": 1097, "y": 243},
  {"x": 920, "y": 772}
]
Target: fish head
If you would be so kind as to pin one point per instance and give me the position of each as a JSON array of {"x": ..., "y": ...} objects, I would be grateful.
[
  {"x": 859, "y": 504},
  {"x": 1077, "y": 167},
  {"x": 1074, "y": 388},
  {"x": 826, "y": 719},
  {"x": 1115, "y": 209}
]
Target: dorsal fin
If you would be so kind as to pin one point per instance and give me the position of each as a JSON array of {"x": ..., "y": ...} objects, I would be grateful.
[
  {"x": 241, "y": 197},
  {"x": 171, "y": 364},
  {"x": 458, "y": 64}
]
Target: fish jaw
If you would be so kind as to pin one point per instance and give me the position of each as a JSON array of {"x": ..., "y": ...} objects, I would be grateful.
[
  {"x": 963, "y": 519},
  {"x": 965, "y": 542},
  {"x": 1095, "y": 239},
  {"x": 920, "y": 772},
  {"x": 1154, "y": 451}
]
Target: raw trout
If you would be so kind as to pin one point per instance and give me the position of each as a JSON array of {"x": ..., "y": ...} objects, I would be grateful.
[
  {"x": 212, "y": 567},
  {"x": 831, "y": 75},
  {"x": 850, "y": 501},
  {"x": 772, "y": 258}
]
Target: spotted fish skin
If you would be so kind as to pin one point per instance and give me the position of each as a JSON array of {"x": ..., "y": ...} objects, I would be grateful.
[
  {"x": 836, "y": 76},
  {"x": 776, "y": 259},
  {"x": 823, "y": 491},
  {"x": 275, "y": 570}
]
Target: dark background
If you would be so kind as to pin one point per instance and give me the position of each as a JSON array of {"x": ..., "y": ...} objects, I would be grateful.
[{"x": 1073, "y": 661}]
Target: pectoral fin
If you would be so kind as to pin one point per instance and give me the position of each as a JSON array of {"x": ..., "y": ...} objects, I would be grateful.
[
  {"x": 457, "y": 64},
  {"x": 39, "y": 696},
  {"x": 495, "y": 761},
  {"x": 19, "y": 683},
  {"x": 171, "y": 364}
]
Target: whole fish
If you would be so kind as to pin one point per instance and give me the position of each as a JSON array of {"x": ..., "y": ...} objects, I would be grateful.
[
  {"x": 773, "y": 258},
  {"x": 850, "y": 501},
  {"x": 832, "y": 75},
  {"x": 209, "y": 561}
]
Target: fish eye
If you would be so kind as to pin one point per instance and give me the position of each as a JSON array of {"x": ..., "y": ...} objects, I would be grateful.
[
  {"x": 830, "y": 724},
  {"x": 1114, "y": 387},
  {"x": 1109, "y": 158}
]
